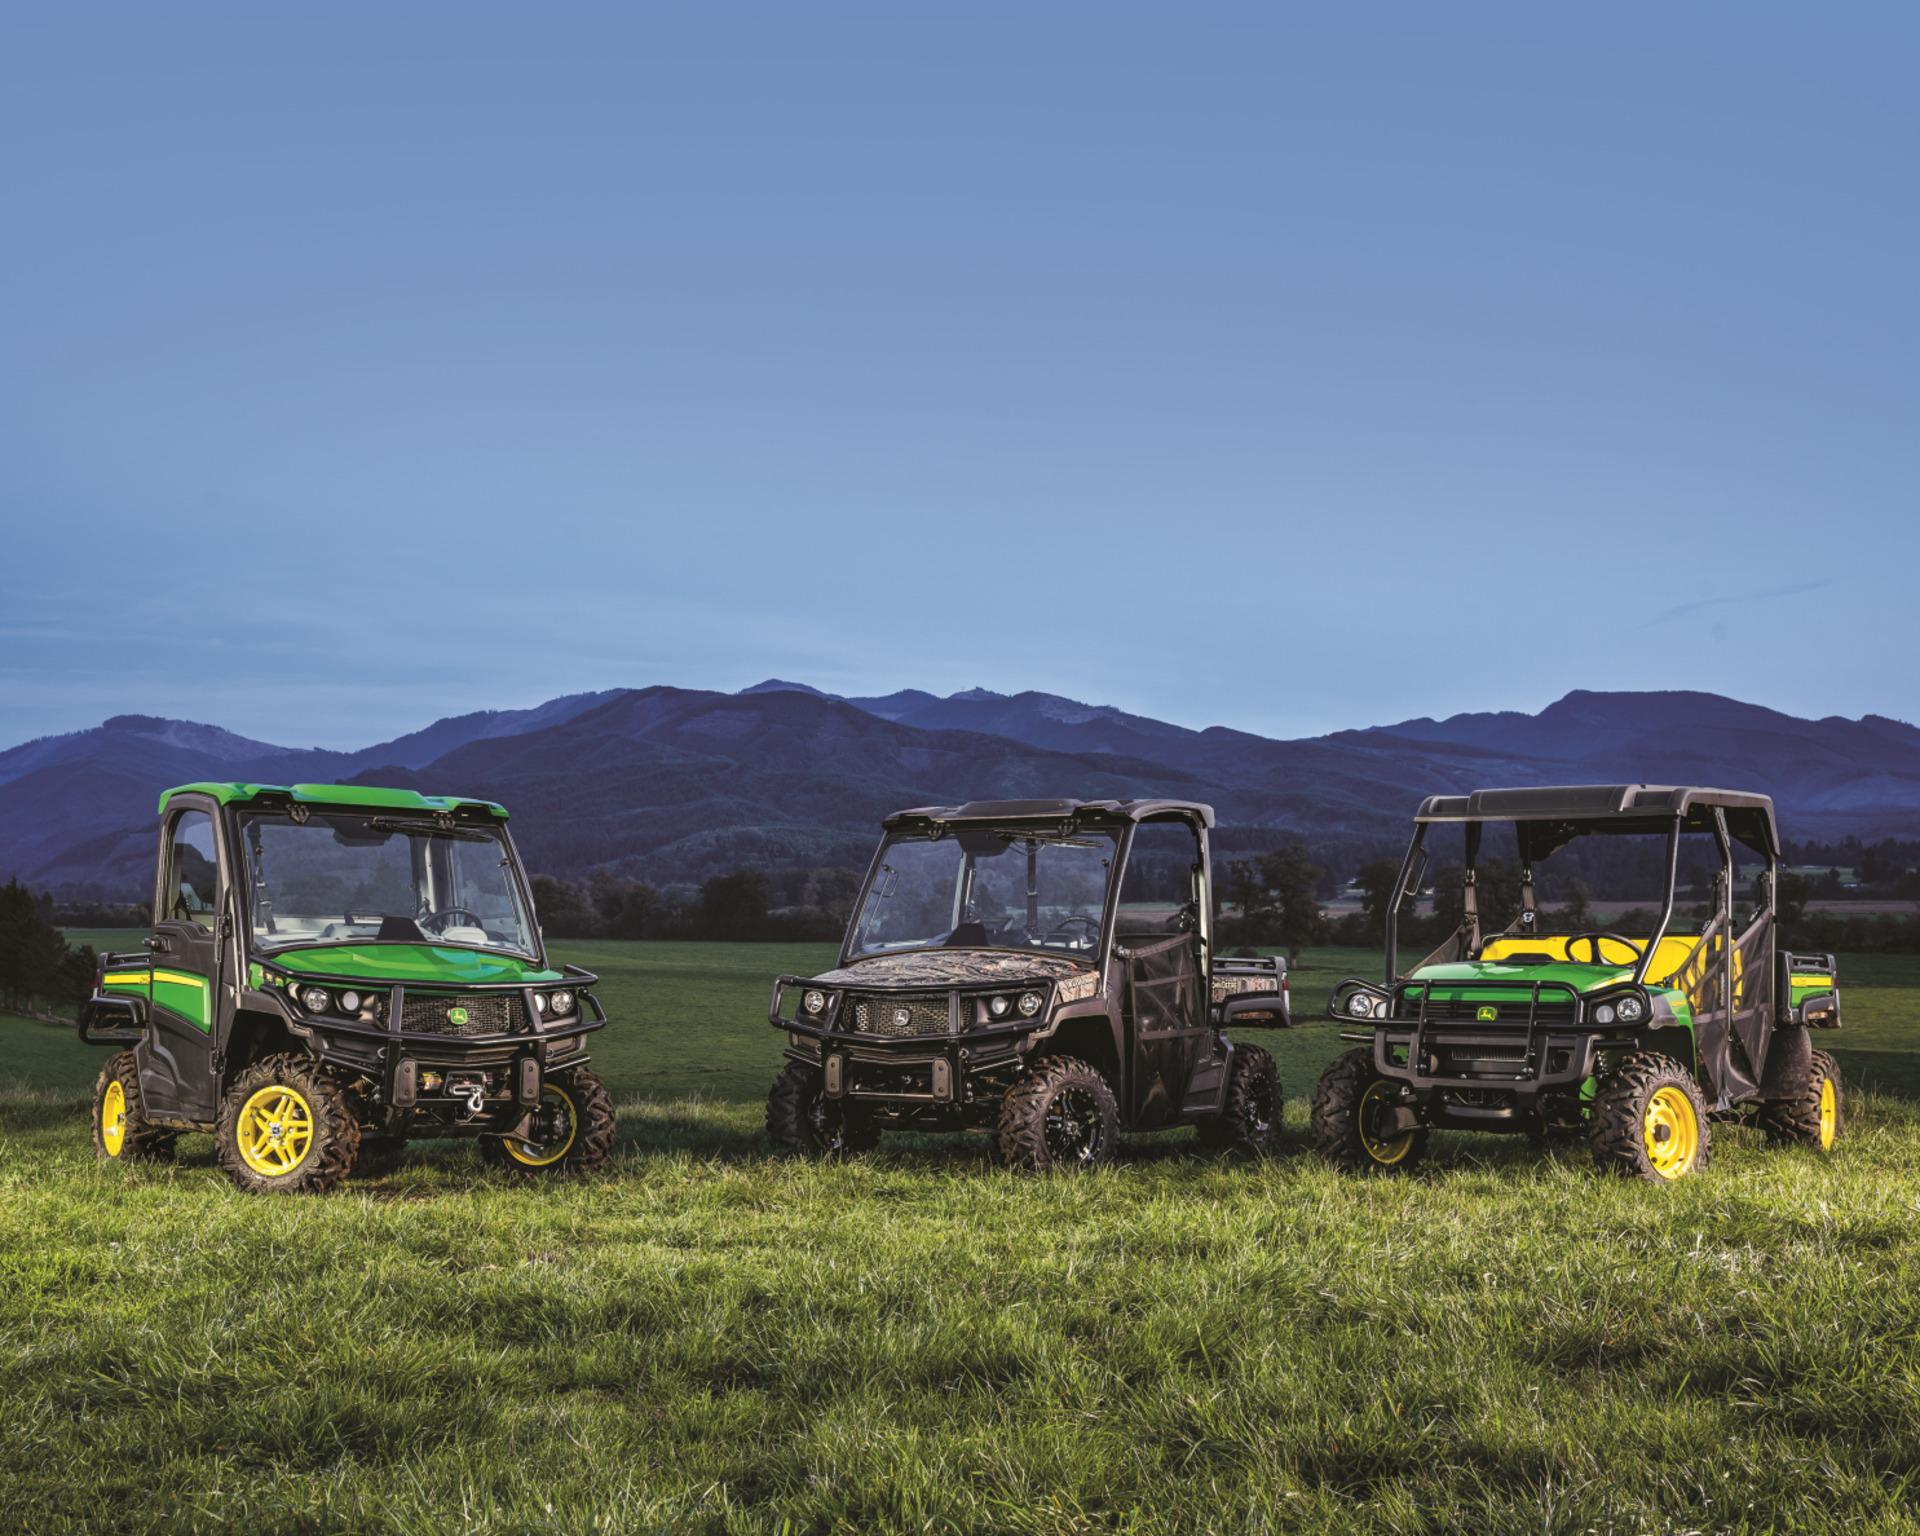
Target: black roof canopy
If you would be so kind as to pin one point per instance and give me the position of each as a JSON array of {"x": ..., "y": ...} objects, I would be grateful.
[
  {"x": 1578, "y": 809},
  {"x": 1031, "y": 811}
]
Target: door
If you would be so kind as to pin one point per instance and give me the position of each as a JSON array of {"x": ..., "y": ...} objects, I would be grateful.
[
  {"x": 176, "y": 1057},
  {"x": 1158, "y": 930}
]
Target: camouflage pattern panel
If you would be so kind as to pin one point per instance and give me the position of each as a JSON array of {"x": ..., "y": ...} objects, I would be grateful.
[
  {"x": 955, "y": 968},
  {"x": 1225, "y": 987}
]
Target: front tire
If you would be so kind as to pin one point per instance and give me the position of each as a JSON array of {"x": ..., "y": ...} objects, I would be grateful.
[
  {"x": 1649, "y": 1121},
  {"x": 804, "y": 1122},
  {"x": 1061, "y": 1115},
  {"x": 1356, "y": 1115},
  {"x": 1813, "y": 1113},
  {"x": 287, "y": 1127},
  {"x": 121, "y": 1131},
  {"x": 573, "y": 1130},
  {"x": 1249, "y": 1121}
]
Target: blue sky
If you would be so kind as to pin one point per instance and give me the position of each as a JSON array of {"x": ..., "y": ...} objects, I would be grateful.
[{"x": 1231, "y": 364}]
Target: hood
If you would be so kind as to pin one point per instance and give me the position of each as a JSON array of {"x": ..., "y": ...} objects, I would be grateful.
[
  {"x": 433, "y": 963},
  {"x": 953, "y": 968},
  {"x": 1582, "y": 978}
]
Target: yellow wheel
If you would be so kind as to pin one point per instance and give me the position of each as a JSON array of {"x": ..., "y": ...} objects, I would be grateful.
[
  {"x": 1829, "y": 1113},
  {"x": 559, "y": 1122},
  {"x": 1357, "y": 1122},
  {"x": 275, "y": 1132},
  {"x": 1649, "y": 1120},
  {"x": 287, "y": 1126},
  {"x": 1672, "y": 1133},
  {"x": 1379, "y": 1101},
  {"x": 121, "y": 1131},
  {"x": 113, "y": 1118},
  {"x": 1811, "y": 1112},
  {"x": 572, "y": 1130}
]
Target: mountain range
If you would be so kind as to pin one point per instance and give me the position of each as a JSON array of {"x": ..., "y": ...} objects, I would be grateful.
[{"x": 673, "y": 784}]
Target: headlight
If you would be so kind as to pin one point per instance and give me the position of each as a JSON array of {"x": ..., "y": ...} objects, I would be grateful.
[
  {"x": 998, "y": 1007},
  {"x": 1379, "y": 1007},
  {"x": 1603, "y": 1014},
  {"x": 1029, "y": 1004},
  {"x": 315, "y": 999},
  {"x": 1360, "y": 1006},
  {"x": 540, "y": 1002},
  {"x": 562, "y": 1003},
  {"x": 814, "y": 1002},
  {"x": 350, "y": 1002},
  {"x": 1632, "y": 1008}
]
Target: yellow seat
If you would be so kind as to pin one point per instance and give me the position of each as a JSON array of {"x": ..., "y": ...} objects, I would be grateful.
[{"x": 1668, "y": 955}]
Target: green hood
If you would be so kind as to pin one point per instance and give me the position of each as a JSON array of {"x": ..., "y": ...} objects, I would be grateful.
[
  {"x": 1582, "y": 978},
  {"x": 433, "y": 963}
]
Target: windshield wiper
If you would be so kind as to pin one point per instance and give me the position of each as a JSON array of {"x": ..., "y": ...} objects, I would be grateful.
[{"x": 426, "y": 828}]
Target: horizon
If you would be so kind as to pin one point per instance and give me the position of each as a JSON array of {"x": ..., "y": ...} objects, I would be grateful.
[
  {"x": 798, "y": 685},
  {"x": 1235, "y": 367}
]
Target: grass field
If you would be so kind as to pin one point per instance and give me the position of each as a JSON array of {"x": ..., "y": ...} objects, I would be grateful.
[{"x": 707, "y": 1339}]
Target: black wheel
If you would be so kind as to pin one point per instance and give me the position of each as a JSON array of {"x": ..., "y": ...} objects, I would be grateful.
[
  {"x": 1249, "y": 1121},
  {"x": 1813, "y": 1113},
  {"x": 1358, "y": 1123},
  {"x": 801, "y": 1119},
  {"x": 1649, "y": 1121},
  {"x": 1060, "y": 1115},
  {"x": 287, "y": 1127},
  {"x": 121, "y": 1130},
  {"x": 572, "y": 1130}
]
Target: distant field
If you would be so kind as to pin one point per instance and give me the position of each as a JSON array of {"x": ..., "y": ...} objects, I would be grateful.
[{"x": 707, "y": 1339}]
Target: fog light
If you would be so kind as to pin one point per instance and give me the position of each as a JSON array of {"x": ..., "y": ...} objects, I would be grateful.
[
  {"x": 540, "y": 1002},
  {"x": 998, "y": 1007},
  {"x": 1603, "y": 1014},
  {"x": 315, "y": 999},
  {"x": 1360, "y": 1006},
  {"x": 814, "y": 1002},
  {"x": 349, "y": 1002},
  {"x": 1632, "y": 1008},
  {"x": 562, "y": 1002},
  {"x": 1029, "y": 1004}
]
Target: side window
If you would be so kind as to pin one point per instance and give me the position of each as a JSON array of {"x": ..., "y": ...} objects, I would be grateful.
[
  {"x": 1158, "y": 892},
  {"x": 191, "y": 889}
]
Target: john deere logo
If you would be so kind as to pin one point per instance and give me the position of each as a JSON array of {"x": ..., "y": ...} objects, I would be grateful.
[
  {"x": 1487, "y": 1014},
  {"x": 456, "y": 1015}
]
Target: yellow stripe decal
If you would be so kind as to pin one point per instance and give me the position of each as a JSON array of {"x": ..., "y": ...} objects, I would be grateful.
[
  {"x": 180, "y": 980},
  {"x": 125, "y": 979}
]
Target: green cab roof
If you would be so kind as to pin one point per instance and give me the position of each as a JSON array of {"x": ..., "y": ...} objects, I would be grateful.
[{"x": 354, "y": 796}]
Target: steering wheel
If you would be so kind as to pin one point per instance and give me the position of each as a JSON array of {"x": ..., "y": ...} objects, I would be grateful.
[
  {"x": 441, "y": 921},
  {"x": 1090, "y": 924},
  {"x": 1593, "y": 941}
]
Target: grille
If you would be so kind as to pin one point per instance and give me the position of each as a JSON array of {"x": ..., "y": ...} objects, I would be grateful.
[
  {"x": 1513, "y": 1013},
  {"x": 900, "y": 1016},
  {"x": 488, "y": 1013}
]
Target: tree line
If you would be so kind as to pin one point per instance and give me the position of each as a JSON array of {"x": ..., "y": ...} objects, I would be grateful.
[{"x": 39, "y": 971}]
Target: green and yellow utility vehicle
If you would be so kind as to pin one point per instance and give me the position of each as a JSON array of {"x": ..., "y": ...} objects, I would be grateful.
[
  {"x": 1640, "y": 1041},
  {"x": 335, "y": 970}
]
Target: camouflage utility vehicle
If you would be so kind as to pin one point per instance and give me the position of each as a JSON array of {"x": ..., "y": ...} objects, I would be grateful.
[
  {"x": 1640, "y": 1040},
  {"x": 334, "y": 970},
  {"x": 1042, "y": 969}
]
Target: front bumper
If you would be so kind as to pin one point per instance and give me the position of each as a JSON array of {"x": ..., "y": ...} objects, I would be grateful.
[
  {"x": 432, "y": 1070},
  {"x": 930, "y": 1070}
]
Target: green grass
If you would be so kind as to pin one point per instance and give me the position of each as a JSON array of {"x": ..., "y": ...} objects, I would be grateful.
[{"x": 709, "y": 1339}]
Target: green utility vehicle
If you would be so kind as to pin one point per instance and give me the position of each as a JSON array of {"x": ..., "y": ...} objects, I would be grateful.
[
  {"x": 335, "y": 970},
  {"x": 1040, "y": 969},
  {"x": 1639, "y": 1041}
]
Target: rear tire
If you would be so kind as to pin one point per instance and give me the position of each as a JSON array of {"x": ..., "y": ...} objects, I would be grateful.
[
  {"x": 1349, "y": 1105},
  {"x": 1649, "y": 1121},
  {"x": 1249, "y": 1121},
  {"x": 121, "y": 1131},
  {"x": 1060, "y": 1115},
  {"x": 287, "y": 1127},
  {"x": 804, "y": 1122},
  {"x": 1812, "y": 1114},
  {"x": 576, "y": 1135}
]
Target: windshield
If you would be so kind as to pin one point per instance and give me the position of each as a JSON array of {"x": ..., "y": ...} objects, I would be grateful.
[
  {"x": 979, "y": 888},
  {"x": 343, "y": 878}
]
